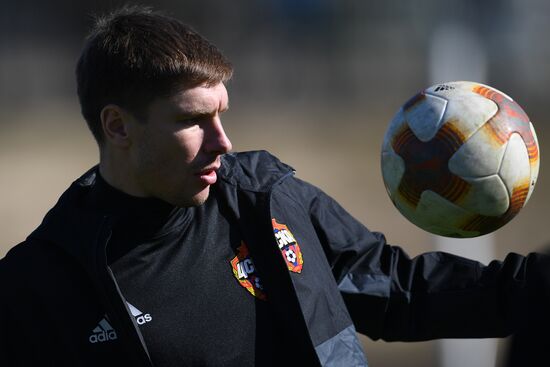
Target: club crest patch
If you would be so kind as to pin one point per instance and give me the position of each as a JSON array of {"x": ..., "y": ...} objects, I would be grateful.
[
  {"x": 245, "y": 272},
  {"x": 288, "y": 246}
]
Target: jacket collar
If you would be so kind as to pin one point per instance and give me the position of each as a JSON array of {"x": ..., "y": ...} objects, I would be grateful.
[
  {"x": 71, "y": 225},
  {"x": 255, "y": 171}
]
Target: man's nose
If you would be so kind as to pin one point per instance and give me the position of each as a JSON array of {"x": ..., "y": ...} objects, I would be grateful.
[{"x": 216, "y": 140}]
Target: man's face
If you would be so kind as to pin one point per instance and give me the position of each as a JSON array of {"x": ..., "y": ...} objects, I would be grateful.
[{"x": 176, "y": 152}]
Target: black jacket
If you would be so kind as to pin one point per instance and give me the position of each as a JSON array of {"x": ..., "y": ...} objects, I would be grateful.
[{"x": 56, "y": 286}]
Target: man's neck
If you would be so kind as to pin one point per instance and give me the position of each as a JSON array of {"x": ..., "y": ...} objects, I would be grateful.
[{"x": 119, "y": 176}]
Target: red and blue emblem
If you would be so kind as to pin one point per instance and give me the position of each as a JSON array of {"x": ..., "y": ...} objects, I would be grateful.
[
  {"x": 245, "y": 272},
  {"x": 289, "y": 247}
]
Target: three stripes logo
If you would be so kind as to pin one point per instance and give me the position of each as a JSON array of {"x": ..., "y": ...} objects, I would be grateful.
[{"x": 104, "y": 332}]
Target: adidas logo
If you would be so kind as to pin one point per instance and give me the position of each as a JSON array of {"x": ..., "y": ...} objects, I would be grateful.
[
  {"x": 140, "y": 317},
  {"x": 104, "y": 332},
  {"x": 443, "y": 87}
]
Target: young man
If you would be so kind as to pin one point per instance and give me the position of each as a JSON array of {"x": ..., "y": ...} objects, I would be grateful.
[{"x": 173, "y": 252}]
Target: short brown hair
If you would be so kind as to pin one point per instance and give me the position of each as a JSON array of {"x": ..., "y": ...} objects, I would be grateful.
[{"x": 135, "y": 55}]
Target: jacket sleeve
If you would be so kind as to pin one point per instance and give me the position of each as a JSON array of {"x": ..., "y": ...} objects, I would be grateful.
[{"x": 434, "y": 295}]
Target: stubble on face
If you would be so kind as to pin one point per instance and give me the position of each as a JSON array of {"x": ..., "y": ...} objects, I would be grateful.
[{"x": 179, "y": 146}]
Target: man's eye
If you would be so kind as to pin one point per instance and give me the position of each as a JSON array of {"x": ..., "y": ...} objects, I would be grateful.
[
  {"x": 188, "y": 121},
  {"x": 191, "y": 120}
]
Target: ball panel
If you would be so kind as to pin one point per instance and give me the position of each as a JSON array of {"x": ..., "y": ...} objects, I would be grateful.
[
  {"x": 487, "y": 196},
  {"x": 469, "y": 111},
  {"x": 515, "y": 169},
  {"x": 510, "y": 118},
  {"x": 424, "y": 115},
  {"x": 481, "y": 155},
  {"x": 437, "y": 215},
  {"x": 488, "y": 92},
  {"x": 518, "y": 199},
  {"x": 393, "y": 168},
  {"x": 426, "y": 164},
  {"x": 392, "y": 165},
  {"x": 486, "y": 224},
  {"x": 397, "y": 124},
  {"x": 534, "y": 164}
]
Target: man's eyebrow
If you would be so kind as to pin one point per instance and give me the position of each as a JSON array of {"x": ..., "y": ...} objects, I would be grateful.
[
  {"x": 199, "y": 111},
  {"x": 195, "y": 111}
]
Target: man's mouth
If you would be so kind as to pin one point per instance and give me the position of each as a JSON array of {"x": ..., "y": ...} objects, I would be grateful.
[{"x": 208, "y": 175}]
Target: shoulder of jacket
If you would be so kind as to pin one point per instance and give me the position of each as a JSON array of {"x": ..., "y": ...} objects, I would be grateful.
[
  {"x": 253, "y": 170},
  {"x": 24, "y": 254},
  {"x": 23, "y": 261}
]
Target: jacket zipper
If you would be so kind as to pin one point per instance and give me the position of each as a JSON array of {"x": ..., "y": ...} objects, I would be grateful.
[{"x": 114, "y": 301}]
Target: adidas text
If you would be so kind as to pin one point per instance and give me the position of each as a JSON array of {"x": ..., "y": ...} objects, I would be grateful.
[
  {"x": 142, "y": 319},
  {"x": 103, "y": 336}
]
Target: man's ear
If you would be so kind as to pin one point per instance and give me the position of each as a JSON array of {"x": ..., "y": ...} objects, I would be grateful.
[{"x": 114, "y": 121}]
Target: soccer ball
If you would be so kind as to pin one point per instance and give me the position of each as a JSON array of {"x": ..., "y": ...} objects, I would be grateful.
[{"x": 460, "y": 159}]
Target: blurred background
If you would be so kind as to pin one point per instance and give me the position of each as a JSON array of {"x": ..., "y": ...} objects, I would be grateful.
[{"x": 316, "y": 83}]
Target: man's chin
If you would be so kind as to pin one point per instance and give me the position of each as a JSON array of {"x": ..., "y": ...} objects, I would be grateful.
[{"x": 195, "y": 200}]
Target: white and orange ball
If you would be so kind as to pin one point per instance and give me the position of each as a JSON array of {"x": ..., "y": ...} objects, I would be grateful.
[{"x": 460, "y": 159}]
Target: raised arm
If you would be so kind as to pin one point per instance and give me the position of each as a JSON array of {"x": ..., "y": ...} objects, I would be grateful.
[{"x": 434, "y": 295}]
